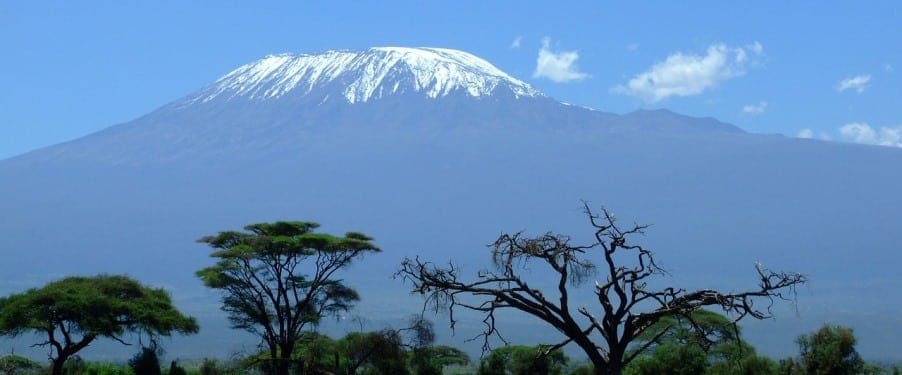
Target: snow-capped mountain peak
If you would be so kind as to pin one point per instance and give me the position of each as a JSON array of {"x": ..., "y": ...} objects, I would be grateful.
[{"x": 362, "y": 76}]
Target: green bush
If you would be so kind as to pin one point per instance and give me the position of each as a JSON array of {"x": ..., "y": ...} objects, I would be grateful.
[
  {"x": 145, "y": 362},
  {"x": 101, "y": 368},
  {"x": 175, "y": 369},
  {"x": 670, "y": 359},
  {"x": 523, "y": 360}
]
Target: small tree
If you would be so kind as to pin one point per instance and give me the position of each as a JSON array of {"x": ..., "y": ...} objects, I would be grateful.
[
  {"x": 279, "y": 278},
  {"x": 175, "y": 369},
  {"x": 830, "y": 350},
  {"x": 145, "y": 362},
  {"x": 75, "y": 311},
  {"x": 627, "y": 306},
  {"x": 381, "y": 352}
]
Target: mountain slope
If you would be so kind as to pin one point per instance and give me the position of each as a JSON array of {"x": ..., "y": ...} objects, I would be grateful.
[{"x": 282, "y": 101}]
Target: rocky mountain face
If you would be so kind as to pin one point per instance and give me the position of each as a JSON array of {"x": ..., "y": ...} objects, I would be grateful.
[{"x": 435, "y": 152}]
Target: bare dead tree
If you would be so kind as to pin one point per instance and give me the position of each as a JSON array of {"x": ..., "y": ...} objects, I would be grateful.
[{"x": 626, "y": 307}]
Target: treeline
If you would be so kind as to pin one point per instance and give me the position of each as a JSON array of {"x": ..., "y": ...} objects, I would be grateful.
[
  {"x": 279, "y": 280},
  {"x": 830, "y": 350}
]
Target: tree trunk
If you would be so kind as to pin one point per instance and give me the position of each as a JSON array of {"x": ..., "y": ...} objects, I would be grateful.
[
  {"x": 58, "y": 363},
  {"x": 608, "y": 370},
  {"x": 284, "y": 366},
  {"x": 281, "y": 366},
  {"x": 614, "y": 363}
]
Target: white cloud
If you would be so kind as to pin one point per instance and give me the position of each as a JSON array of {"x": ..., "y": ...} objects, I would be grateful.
[
  {"x": 805, "y": 133},
  {"x": 756, "y": 48},
  {"x": 686, "y": 75},
  {"x": 857, "y": 83},
  {"x": 516, "y": 43},
  {"x": 559, "y": 67},
  {"x": 632, "y": 47},
  {"x": 860, "y": 132},
  {"x": 755, "y": 109}
]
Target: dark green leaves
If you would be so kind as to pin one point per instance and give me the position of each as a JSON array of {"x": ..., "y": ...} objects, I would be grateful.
[
  {"x": 278, "y": 278},
  {"x": 74, "y": 311},
  {"x": 100, "y": 306}
]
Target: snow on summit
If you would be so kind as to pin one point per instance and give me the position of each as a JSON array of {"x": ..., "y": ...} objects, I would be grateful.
[{"x": 366, "y": 75}]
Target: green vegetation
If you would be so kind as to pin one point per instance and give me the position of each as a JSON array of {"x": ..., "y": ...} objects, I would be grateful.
[
  {"x": 75, "y": 311},
  {"x": 268, "y": 290},
  {"x": 387, "y": 352},
  {"x": 523, "y": 360},
  {"x": 16, "y": 364},
  {"x": 279, "y": 280},
  {"x": 145, "y": 362},
  {"x": 432, "y": 360},
  {"x": 701, "y": 342}
]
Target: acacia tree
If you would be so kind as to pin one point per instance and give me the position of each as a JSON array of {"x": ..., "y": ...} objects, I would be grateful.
[
  {"x": 75, "y": 311},
  {"x": 279, "y": 278},
  {"x": 13, "y": 364},
  {"x": 627, "y": 306},
  {"x": 708, "y": 343}
]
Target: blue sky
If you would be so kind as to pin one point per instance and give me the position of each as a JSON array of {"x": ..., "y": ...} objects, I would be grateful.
[{"x": 826, "y": 70}]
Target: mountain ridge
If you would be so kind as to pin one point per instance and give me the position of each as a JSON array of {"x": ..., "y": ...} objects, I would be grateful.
[{"x": 261, "y": 105}]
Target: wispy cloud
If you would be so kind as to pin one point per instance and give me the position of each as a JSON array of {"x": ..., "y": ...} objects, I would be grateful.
[
  {"x": 559, "y": 67},
  {"x": 755, "y": 109},
  {"x": 887, "y": 67},
  {"x": 857, "y": 83},
  {"x": 688, "y": 74},
  {"x": 805, "y": 133},
  {"x": 632, "y": 47},
  {"x": 516, "y": 43},
  {"x": 860, "y": 132}
]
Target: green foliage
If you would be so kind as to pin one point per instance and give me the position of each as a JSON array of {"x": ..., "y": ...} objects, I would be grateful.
[
  {"x": 210, "y": 367},
  {"x": 145, "y": 362},
  {"x": 175, "y": 369},
  {"x": 830, "y": 350},
  {"x": 279, "y": 278},
  {"x": 95, "y": 368},
  {"x": 738, "y": 357},
  {"x": 872, "y": 369},
  {"x": 670, "y": 359},
  {"x": 523, "y": 360},
  {"x": 789, "y": 366},
  {"x": 103, "y": 305},
  {"x": 583, "y": 369},
  {"x": 15, "y": 364},
  {"x": 701, "y": 328},
  {"x": 375, "y": 352},
  {"x": 74, "y": 311},
  {"x": 702, "y": 341},
  {"x": 378, "y": 352},
  {"x": 431, "y": 360},
  {"x": 77, "y": 366},
  {"x": 319, "y": 352}
]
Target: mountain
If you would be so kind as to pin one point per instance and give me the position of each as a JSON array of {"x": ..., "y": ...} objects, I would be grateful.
[
  {"x": 434, "y": 152},
  {"x": 281, "y": 101}
]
